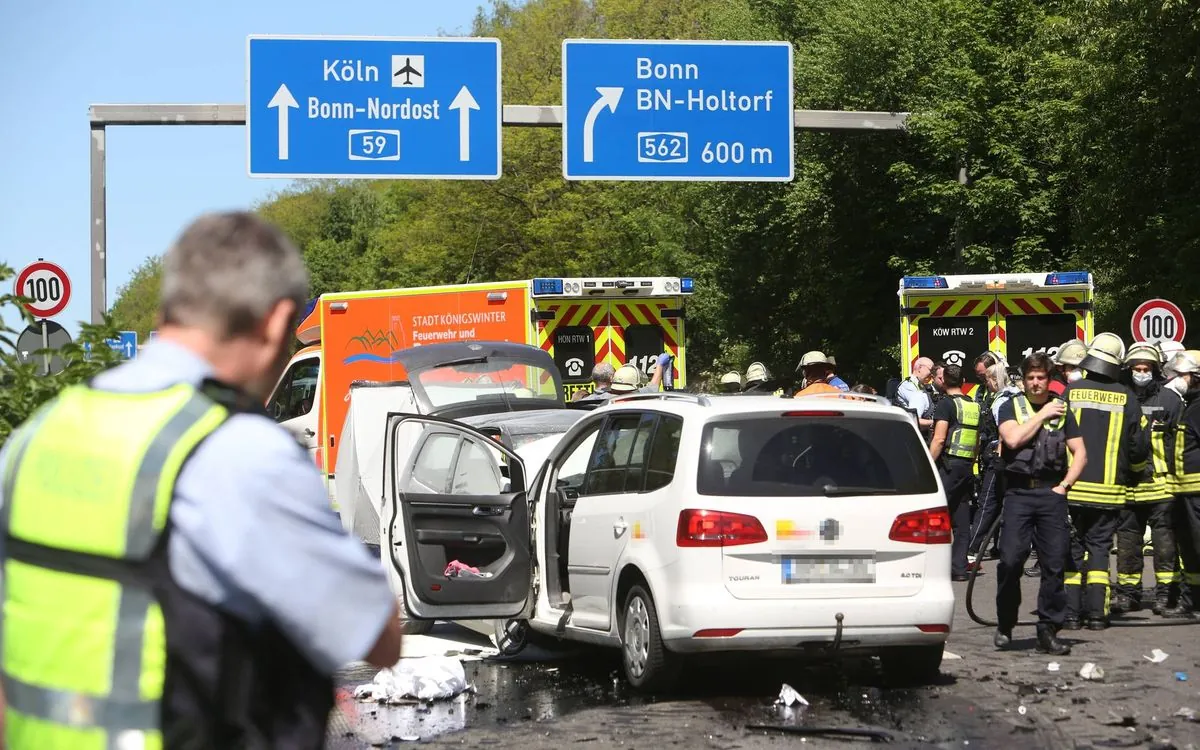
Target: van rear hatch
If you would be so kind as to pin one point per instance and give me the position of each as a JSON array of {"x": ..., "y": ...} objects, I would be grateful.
[{"x": 819, "y": 503}]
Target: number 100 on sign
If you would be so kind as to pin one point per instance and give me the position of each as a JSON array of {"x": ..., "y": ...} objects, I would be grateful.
[
  {"x": 43, "y": 287},
  {"x": 1158, "y": 324}
]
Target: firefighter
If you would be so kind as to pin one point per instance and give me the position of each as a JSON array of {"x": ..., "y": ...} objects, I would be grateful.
[
  {"x": 1151, "y": 502},
  {"x": 1187, "y": 466},
  {"x": 759, "y": 381},
  {"x": 1066, "y": 362},
  {"x": 954, "y": 448},
  {"x": 817, "y": 368},
  {"x": 1106, "y": 415},
  {"x": 1034, "y": 429},
  {"x": 731, "y": 382}
]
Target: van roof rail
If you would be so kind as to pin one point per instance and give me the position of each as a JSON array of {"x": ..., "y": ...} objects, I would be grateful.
[{"x": 695, "y": 398}]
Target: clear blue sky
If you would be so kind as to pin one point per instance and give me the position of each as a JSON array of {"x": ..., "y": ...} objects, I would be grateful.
[{"x": 66, "y": 54}]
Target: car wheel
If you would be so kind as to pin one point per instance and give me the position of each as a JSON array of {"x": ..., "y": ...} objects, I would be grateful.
[
  {"x": 647, "y": 663},
  {"x": 912, "y": 665},
  {"x": 510, "y": 636}
]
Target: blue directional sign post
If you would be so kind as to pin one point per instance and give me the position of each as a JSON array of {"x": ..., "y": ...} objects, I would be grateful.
[
  {"x": 677, "y": 110},
  {"x": 373, "y": 107},
  {"x": 126, "y": 344}
]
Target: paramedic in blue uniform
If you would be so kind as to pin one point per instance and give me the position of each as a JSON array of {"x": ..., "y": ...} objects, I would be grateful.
[{"x": 261, "y": 559}]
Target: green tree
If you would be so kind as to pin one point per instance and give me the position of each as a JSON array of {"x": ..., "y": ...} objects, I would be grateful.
[
  {"x": 23, "y": 388},
  {"x": 136, "y": 306}
]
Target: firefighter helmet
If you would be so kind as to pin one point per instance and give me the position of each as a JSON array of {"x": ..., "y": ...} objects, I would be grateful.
[
  {"x": 1184, "y": 362},
  {"x": 731, "y": 380},
  {"x": 1071, "y": 353},
  {"x": 627, "y": 379},
  {"x": 757, "y": 372},
  {"x": 814, "y": 358},
  {"x": 1143, "y": 352},
  {"x": 1104, "y": 356}
]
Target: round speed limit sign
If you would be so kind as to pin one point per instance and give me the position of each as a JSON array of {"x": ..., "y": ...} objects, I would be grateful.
[
  {"x": 47, "y": 287},
  {"x": 1158, "y": 320}
]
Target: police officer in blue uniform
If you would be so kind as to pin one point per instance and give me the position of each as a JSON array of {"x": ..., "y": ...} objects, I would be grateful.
[
  {"x": 1033, "y": 427},
  {"x": 263, "y": 594}
]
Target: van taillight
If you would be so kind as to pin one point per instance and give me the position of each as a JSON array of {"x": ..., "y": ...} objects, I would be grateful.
[
  {"x": 929, "y": 526},
  {"x": 711, "y": 528}
]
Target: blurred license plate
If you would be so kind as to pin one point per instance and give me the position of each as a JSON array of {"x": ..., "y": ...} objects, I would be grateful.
[{"x": 829, "y": 569}]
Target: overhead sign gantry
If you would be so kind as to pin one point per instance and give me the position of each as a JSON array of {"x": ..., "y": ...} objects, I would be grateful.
[{"x": 431, "y": 108}]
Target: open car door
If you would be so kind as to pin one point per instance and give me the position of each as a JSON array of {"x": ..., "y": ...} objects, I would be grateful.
[{"x": 455, "y": 525}]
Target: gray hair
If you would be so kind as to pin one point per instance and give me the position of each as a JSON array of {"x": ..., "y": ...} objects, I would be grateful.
[
  {"x": 998, "y": 374},
  {"x": 226, "y": 272},
  {"x": 603, "y": 373}
]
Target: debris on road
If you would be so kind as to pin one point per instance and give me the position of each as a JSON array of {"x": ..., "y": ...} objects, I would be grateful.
[
  {"x": 1052, "y": 666},
  {"x": 877, "y": 735},
  {"x": 427, "y": 678},
  {"x": 1181, "y": 676},
  {"x": 1091, "y": 671},
  {"x": 789, "y": 697},
  {"x": 1157, "y": 656},
  {"x": 1123, "y": 719},
  {"x": 1187, "y": 714}
]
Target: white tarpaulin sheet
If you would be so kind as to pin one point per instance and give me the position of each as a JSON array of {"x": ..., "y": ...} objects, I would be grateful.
[
  {"x": 428, "y": 678},
  {"x": 358, "y": 476}
]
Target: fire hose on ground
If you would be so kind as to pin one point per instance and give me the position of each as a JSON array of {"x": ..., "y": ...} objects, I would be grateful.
[{"x": 975, "y": 569}]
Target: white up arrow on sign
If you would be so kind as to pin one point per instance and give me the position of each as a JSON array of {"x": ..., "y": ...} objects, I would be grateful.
[
  {"x": 282, "y": 101},
  {"x": 464, "y": 103}
]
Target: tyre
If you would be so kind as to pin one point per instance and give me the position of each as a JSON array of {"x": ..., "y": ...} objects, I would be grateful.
[
  {"x": 647, "y": 663},
  {"x": 510, "y": 636},
  {"x": 912, "y": 665}
]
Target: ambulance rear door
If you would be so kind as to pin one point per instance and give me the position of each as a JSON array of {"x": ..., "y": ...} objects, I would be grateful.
[
  {"x": 943, "y": 322},
  {"x": 582, "y": 322},
  {"x": 1041, "y": 312}
]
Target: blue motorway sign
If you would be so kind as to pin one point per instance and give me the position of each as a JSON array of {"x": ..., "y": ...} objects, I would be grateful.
[
  {"x": 126, "y": 344},
  {"x": 399, "y": 107},
  {"x": 677, "y": 110}
]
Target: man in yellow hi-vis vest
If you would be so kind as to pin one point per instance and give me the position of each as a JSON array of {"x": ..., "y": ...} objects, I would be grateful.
[
  {"x": 173, "y": 576},
  {"x": 954, "y": 448}
]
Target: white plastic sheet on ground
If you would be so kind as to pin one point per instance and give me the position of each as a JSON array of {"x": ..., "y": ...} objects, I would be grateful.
[{"x": 427, "y": 678}]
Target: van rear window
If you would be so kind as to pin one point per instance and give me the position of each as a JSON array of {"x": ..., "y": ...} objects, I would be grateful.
[{"x": 813, "y": 456}]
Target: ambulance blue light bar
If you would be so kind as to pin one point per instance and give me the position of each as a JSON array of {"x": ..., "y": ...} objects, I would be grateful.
[
  {"x": 1070, "y": 277},
  {"x": 926, "y": 282},
  {"x": 687, "y": 286},
  {"x": 547, "y": 286}
]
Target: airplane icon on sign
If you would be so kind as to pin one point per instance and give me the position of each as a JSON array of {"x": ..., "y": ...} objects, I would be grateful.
[{"x": 408, "y": 70}]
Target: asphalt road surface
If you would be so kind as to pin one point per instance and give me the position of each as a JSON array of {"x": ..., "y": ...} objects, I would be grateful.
[{"x": 985, "y": 698}]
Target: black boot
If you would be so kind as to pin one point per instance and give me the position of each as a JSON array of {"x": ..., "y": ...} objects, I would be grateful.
[
  {"x": 1048, "y": 643},
  {"x": 1072, "y": 623},
  {"x": 1179, "y": 612},
  {"x": 1122, "y": 602},
  {"x": 1162, "y": 602}
]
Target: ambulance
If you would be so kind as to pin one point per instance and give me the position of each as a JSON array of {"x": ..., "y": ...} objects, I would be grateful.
[
  {"x": 954, "y": 319},
  {"x": 354, "y": 337}
]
